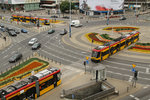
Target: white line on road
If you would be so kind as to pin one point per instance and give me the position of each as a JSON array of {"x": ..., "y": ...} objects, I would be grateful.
[
  {"x": 19, "y": 48},
  {"x": 5, "y": 56},
  {"x": 136, "y": 98},
  {"x": 124, "y": 64},
  {"x": 5, "y": 64},
  {"x": 12, "y": 52},
  {"x": 131, "y": 96},
  {"x": 146, "y": 86},
  {"x": 147, "y": 70},
  {"x": 130, "y": 78},
  {"x": 127, "y": 75}
]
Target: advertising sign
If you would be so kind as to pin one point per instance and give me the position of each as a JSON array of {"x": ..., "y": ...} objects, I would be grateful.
[
  {"x": 101, "y": 5},
  {"x": 24, "y": 1},
  {"x": 18, "y": 1}
]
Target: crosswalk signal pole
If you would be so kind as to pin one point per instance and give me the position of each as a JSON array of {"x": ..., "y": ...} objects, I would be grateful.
[{"x": 84, "y": 63}]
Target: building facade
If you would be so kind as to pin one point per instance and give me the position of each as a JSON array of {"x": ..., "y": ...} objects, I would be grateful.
[
  {"x": 17, "y": 5},
  {"x": 140, "y": 5}
]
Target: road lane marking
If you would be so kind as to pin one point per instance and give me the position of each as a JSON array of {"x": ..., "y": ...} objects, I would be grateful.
[
  {"x": 127, "y": 75},
  {"x": 125, "y": 64},
  {"x": 62, "y": 53},
  {"x": 12, "y": 52},
  {"x": 126, "y": 69},
  {"x": 19, "y": 48},
  {"x": 5, "y": 56},
  {"x": 146, "y": 86},
  {"x": 67, "y": 50},
  {"x": 130, "y": 78},
  {"x": 136, "y": 98},
  {"x": 147, "y": 70},
  {"x": 131, "y": 95}
]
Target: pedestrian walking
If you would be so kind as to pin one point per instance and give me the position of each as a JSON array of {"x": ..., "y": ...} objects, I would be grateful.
[{"x": 4, "y": 38}]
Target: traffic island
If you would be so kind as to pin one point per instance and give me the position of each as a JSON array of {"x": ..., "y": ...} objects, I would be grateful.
[
  {"x": 121, "y": 29},
  {"x": 22, "y": 70},
  {"x": 140, "y": 47},
  {"x": 97, "y": 38}
]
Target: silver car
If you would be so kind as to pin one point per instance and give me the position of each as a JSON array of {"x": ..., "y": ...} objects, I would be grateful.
[{"x": 32, "y": 41}]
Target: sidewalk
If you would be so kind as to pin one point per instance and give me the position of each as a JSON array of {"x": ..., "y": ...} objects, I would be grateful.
[{"x": 3, "y": 43}]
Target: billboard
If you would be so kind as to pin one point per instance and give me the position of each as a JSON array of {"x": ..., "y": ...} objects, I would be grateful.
[
  {"x": 101, "y": 5},
  {"x": 19, "y": 1},
  {"x": 24, "y": 1}
]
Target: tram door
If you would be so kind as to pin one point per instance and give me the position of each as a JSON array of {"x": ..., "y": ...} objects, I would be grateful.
[
  {"x": 55, "y": 80},
  {"x": 22, "y": 96}
]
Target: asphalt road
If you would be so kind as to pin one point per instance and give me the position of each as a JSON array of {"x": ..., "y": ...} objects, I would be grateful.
[{"x": 54, "y": 48}]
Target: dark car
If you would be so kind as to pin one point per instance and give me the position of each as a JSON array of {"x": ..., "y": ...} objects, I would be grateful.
[
  {"x": 2, "y": 26},
  {"x": 15, "y": 57},
  {"x": 9, "y": 29},
  {"x": 54, "y": 16},
  {"x": 65, "y": 17},
  {"x": 24, "y": 31},
  {"x": 63, "y": 32},
  {"x": 12, "y": 33},
  {"x": 51, "y": 31},
  {"x": 3, "y": 29},
  {"x": 17, "y": 31},
  {"x": 36, "y": 46},
  {"x": 123, "y": 18}
]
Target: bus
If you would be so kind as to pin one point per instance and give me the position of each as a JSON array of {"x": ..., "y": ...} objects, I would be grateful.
[
  {"x": 32, "y": 87},
  {"x": 103, "y": 52}
]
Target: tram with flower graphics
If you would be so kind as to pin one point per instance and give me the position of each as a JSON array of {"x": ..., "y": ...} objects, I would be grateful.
[
  {"x": 103, "y": 52},
  {"x": 32, "y": 87}
]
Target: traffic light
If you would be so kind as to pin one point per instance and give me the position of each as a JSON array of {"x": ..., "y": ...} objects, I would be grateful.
[
  {"x": 84, "y": 63},
  {"x": 135, "y": 74}
]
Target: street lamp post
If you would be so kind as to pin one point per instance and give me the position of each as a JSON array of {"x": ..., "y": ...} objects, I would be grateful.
[
  {"x": 70, "y": 21},
  {"x": 136, "y": 9}
]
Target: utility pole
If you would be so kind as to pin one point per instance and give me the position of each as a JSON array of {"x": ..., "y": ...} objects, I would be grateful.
[
  {"x": 3, "y": 4},
  {"x": 70, "y": 21}
]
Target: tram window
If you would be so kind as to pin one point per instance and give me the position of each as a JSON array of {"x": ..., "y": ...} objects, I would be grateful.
[
  {"x": 31, "y": 91},
  {"x": 46, "y": 84},
  {"x": 122, "y": 44},
  {"x": 15, "y": 98},
  {"x": 50, "y": 82},
  {"x": 105, "y": 53},
  {"x": 132, "y": 39},
  {"x": 58, "y": 76},
  {"x": 112, "y": 49},
  {"x": 94, "y": 54}
]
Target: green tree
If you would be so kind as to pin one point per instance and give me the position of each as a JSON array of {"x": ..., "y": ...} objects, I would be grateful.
[{"x": 65, "y": 6}]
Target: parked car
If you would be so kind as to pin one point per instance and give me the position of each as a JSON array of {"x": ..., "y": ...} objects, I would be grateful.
[
  {"x": 123, "y": 18},
  {"x": 63, "y": 32},
  {"x": 12, "y": 33},
  {"x": 54, "y": 16},
  {"x": 65, "y": 17},
  {"x": 51, "y": 31},
  {"x": 3, "y": 29},
  {"x": 32, "y": 41},
  {"x": 2, "y": 26},
  {"x": 24, "y": 31},
  {"x": 36, "y": 46},
  {"x": 17, "y": 31},
  {"x": 78, "y": 25},
  {"x": 9, "y": 29},
  {"x": 15, "y": 57}
]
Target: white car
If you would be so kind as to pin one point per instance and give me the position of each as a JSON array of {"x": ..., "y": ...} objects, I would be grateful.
[{"x": 32, "y": 41}]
